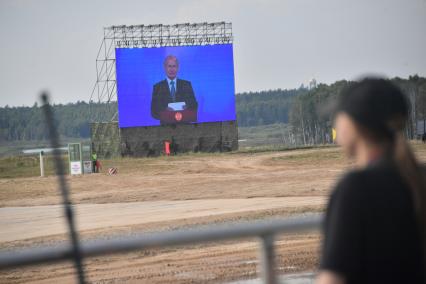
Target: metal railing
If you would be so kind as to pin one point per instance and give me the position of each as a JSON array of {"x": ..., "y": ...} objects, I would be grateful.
[
  {"x": 264, "y": 230},
  {"x": 76, "y": 250}
]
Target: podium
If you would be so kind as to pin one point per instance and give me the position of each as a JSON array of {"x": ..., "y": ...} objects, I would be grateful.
[{"x": 180, "y": 116}]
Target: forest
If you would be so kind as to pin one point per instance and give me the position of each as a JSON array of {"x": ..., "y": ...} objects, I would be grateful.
[
  {"x": 311, "y": 115},
  {"x": 305, "y": 111}
]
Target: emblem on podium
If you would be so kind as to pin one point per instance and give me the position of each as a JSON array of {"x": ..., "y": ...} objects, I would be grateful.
[{"x": 178, "y": 116}]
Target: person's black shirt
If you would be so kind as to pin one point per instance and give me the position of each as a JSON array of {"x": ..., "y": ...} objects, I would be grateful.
[{"x": 370, "y": 232}]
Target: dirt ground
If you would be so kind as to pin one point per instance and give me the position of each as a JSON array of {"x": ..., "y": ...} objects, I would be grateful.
[{"x": 150, "y": 195}]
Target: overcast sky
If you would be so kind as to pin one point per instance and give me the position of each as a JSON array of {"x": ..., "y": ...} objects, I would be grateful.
[{"x": 52, "y": 44}]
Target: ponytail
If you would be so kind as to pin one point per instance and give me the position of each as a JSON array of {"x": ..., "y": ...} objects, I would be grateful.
[{"x": 414, "y": 176}]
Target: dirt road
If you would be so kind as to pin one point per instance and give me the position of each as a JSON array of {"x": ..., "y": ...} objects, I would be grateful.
[
  {"x": 169, "y": 193},
  {"x": 19, "y": 223}
]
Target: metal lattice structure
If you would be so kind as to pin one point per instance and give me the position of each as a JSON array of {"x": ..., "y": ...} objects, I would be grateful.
[{"x": 146, "y": 36}]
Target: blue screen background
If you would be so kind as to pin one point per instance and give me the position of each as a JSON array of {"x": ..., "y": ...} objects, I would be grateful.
[{"x": 210, "y": 69}]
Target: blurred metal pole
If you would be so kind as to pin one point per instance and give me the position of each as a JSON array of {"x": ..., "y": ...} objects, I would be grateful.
[
  {"x": 60, "y": 171},
  {"x": 41, "y": 163},
  {"x": 268, "y": 259}
]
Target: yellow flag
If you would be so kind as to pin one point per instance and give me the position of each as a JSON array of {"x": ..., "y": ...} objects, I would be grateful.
[{"x": 334, "y": 134}]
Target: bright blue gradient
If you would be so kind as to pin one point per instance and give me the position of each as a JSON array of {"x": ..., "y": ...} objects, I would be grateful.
[{"x": 210, "y": 69}]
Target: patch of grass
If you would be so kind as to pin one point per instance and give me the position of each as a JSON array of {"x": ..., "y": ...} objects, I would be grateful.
[
  {"x": 27, "y": 166},
  {"x": 277, "y": 148},
  {"x": 311, "y": 156},
  {"x": 14, "y": 148},
  {"x": 273, "y": 134}
]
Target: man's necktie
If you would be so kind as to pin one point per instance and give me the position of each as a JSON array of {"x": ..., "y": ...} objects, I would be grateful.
[{"x": 173, "y": 90}]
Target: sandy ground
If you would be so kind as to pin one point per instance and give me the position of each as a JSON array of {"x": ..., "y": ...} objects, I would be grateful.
[
  {"x": 168, "y": 193},
  {"x": 293, "y": 173},
  {"x": 20, "y": 223}
]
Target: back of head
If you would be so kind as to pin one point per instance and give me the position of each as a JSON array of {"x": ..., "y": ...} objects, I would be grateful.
[
  {"x": 381, "y": 109},
  {"x": 377, "y": 105}
]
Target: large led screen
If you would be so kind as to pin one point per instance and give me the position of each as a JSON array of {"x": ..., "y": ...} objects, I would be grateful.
[{"x": 185, "y": 84}]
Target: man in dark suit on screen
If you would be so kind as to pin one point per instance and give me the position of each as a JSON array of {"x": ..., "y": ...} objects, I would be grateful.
[{"x": 172, "y": 90}]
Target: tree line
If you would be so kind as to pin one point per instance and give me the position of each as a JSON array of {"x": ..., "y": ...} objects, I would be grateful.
[
  {"x": 72, "y": 120},
  {"x": 265, "y": 107},
  {"x": 311, "y": 115},
  {"x": 305, "y": 111}
]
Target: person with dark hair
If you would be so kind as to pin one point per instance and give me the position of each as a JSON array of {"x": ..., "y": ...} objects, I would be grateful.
[
  {"x": 171, "y": 90},
  {"x": 374, "y": 229}
]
